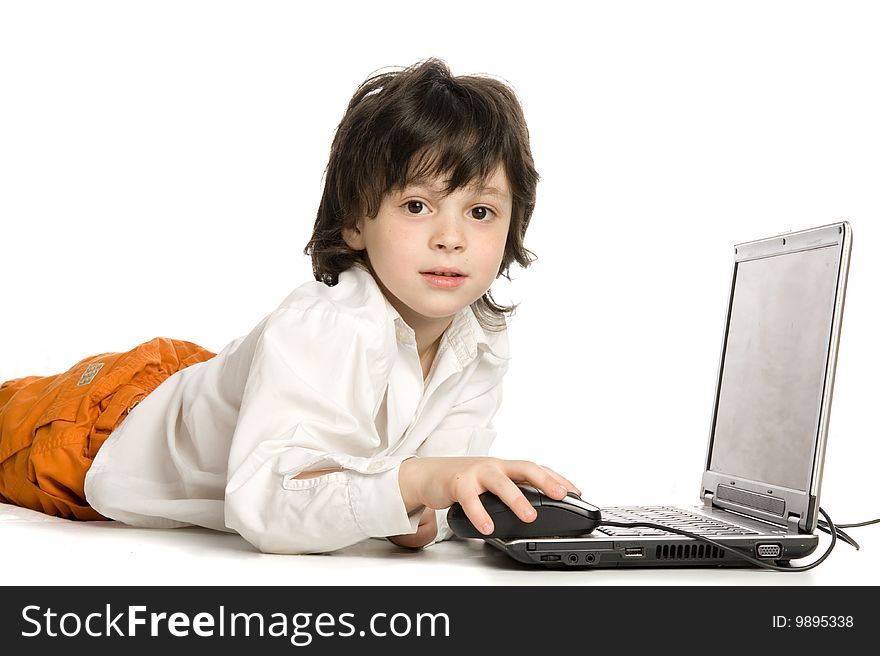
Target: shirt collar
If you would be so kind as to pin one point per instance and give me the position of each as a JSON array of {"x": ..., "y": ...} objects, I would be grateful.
[{"x": 466, "y": 337}]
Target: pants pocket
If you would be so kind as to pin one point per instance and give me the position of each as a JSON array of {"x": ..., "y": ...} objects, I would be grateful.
[{"x": 112, "y": 410}]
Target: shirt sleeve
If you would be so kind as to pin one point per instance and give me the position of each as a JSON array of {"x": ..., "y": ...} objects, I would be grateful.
[
  {"x": 466, "y": 431},
  {"x": 313, "y": 388}
]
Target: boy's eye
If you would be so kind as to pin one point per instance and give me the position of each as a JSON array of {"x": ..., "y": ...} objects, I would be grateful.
[
  {"x": 482, "y": 213},
  {"x": 415, "y": 207}
]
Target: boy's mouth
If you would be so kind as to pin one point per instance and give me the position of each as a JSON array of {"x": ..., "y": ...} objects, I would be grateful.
[
  {"x": 443, "y": 271},
  {"x": 444, "y": 278}
]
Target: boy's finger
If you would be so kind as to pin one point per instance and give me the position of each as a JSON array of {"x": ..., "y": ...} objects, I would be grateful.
[
  {"x": 571, "y": 486},
  {"x": 508, "y": 493},
  {"x": 478, "y": 516},
  {"x": 512, "y": 496},
  {"x": 538, "y": 476}
]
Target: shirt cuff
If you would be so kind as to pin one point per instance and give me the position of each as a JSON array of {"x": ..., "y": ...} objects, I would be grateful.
[
  {"x": 443, "y": 530},
  {"x": 377, "y": 504}
]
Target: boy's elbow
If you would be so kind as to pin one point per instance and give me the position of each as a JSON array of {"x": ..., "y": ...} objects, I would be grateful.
[
  {"x": 292, "y": 543},
  {"x": 279, "y": 528}
]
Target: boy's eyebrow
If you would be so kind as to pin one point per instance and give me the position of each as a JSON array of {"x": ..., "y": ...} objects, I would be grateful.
[
  {"x": 491, "y": 191},
  {"x": 483, "y": 191}
]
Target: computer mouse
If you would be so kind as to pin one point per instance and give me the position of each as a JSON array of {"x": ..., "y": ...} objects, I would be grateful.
[{"x": 563, "y": 518}]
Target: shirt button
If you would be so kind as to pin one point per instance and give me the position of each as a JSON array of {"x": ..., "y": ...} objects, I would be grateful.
[
  {"x": 405, "y": 337},
  {"x": 376, "y": 465}
]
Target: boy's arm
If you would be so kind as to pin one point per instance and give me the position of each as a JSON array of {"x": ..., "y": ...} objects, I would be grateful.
[{"x": 298, "y": 415}]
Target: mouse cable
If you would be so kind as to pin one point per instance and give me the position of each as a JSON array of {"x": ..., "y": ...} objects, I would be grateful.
[
  {"x": 822, "y": 526},
  {"x": 842, "y": 535},
  {"x": 738, "y": 552},
  {"x": 870, "y": 521}
]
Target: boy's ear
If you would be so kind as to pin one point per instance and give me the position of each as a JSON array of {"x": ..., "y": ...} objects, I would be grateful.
[{"x": 354, "y": 237}]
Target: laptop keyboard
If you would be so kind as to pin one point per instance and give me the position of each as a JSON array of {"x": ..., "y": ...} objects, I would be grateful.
[{"x": 667, "y": 516}]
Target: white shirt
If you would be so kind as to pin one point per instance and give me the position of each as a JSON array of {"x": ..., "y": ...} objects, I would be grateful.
[{"x": 330, "y": 379}]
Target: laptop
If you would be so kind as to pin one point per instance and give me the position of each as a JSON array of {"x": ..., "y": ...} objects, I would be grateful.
[{"x": 763, "y": 466}]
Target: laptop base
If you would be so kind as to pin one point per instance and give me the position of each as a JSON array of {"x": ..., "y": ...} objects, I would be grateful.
[{"x": 600, "y": 552}]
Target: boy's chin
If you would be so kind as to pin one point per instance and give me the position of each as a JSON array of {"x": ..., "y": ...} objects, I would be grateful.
[{"x": 440, "y": 311}]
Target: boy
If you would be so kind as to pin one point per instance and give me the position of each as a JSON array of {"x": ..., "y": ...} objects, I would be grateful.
[{"x": 363, "y": 403}]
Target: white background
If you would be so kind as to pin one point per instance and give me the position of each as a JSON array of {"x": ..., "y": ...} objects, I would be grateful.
[{"x": 161, "y": 165}]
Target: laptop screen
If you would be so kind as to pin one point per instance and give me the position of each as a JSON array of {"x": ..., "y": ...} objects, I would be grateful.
[{"x": 774, "y": 365}]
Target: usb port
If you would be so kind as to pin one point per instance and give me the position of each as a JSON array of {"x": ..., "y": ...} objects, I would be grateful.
[{"x": 634, "y": 552}]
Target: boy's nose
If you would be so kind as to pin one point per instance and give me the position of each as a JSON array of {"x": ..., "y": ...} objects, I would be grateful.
[{"x": 448, "y": 234}]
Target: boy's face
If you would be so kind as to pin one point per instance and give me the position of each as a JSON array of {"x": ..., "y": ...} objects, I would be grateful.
[{"x": 419, "y": 233}]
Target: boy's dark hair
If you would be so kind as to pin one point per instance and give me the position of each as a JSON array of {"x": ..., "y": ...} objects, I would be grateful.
[{"x": 424, "y": 122}]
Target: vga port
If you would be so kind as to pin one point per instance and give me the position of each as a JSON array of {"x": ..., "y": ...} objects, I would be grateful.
[{"x": 769, "y": 550}]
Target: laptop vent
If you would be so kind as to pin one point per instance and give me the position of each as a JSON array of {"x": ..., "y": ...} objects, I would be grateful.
[
  {"x": 689, "y": 552},
  {"x": 751, "y": 499}
]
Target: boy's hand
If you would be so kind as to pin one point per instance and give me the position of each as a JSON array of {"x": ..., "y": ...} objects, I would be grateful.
[
  {"x": 439, "y": 482},
  {"x": 426, "y": 532}
]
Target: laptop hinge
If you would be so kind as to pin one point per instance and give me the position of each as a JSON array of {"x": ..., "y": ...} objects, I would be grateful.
[
  {"x": 708, "y": 497},
  {"x": 793, "y": 523}
]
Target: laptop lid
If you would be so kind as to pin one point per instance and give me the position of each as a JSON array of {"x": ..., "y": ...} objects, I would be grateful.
[{"x": 773, "y": 393}]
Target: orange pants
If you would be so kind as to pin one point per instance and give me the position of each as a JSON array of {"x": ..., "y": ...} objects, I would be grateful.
[{"x": 51, "y": 427}]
